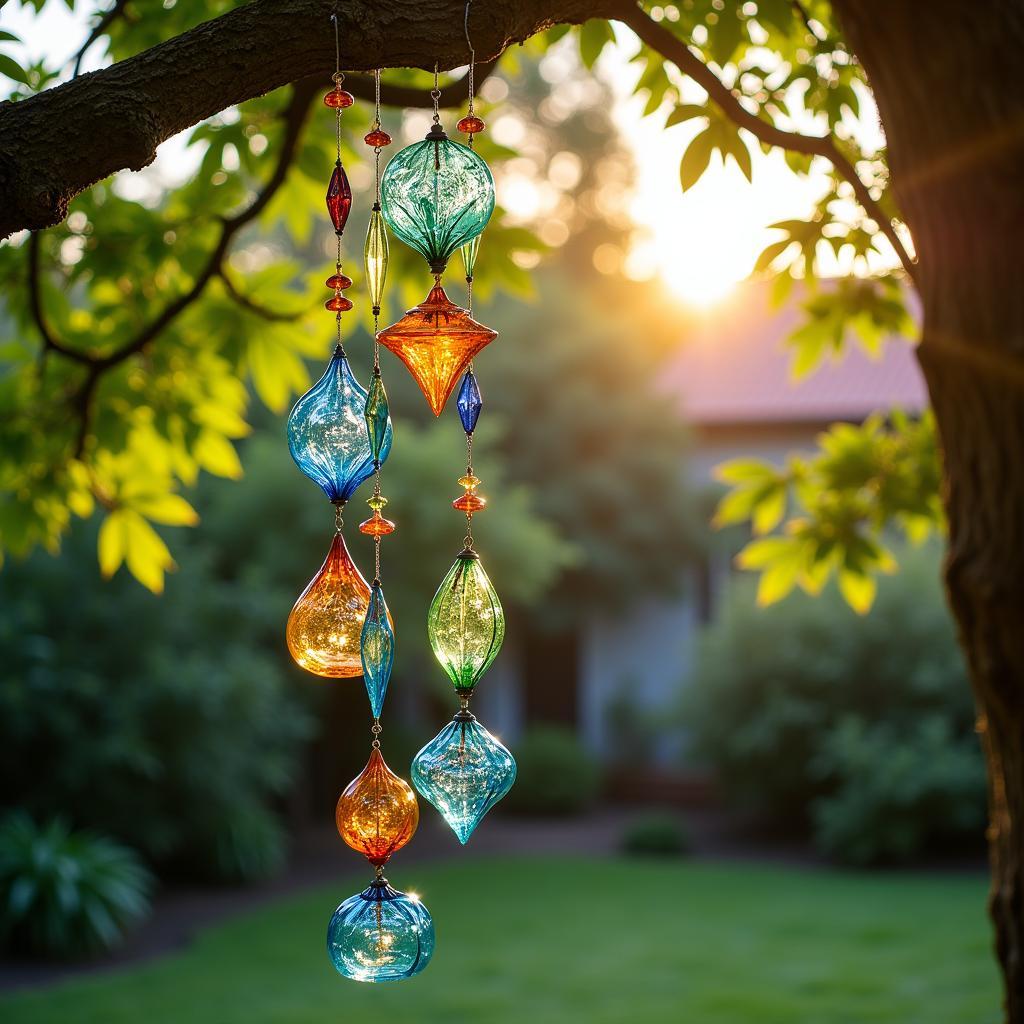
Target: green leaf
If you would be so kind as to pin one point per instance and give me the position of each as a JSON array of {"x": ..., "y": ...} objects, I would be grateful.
[
  {"x": 112, "y": 543},
  {"x": 217, "y": 455},
  {"x": 696, "y": 159},
  {"x": 858, "y": 590},
  {"x": 684, "y": 112},
  {"x": 12, "y": 69},
  {"x": 594, "y": 36},
  {"x": 169, "y": 509}
]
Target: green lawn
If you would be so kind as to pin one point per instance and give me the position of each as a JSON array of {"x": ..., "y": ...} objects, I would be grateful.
[{"x": 566, "y": 941}]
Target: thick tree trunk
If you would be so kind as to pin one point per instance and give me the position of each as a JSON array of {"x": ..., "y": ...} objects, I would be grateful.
[{"x": 946, "y": 79}]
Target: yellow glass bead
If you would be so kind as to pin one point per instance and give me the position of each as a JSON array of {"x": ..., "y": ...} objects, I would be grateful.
[
  {"x": 470, "y": 482},
  {"x": 376, "y": 502}
]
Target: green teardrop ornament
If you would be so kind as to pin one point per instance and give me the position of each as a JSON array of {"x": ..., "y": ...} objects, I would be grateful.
[
  {"x": 466, "y": 623},
  {"x": 469, "y": 253},
  {"x": 377, "y": 414},
  {"x": 375, "y": 257}
]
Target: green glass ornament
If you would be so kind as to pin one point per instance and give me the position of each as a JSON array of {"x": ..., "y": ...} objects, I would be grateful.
[
  {"x": 466, "y": 624},
  {"x": 469, "y": 252},
  {"x": 437, "y": 195},
  {"x": 375, "y": 256},
  {"x": 377, "y": 414}
]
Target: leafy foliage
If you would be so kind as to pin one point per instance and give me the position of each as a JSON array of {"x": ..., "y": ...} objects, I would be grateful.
[
  {"x": 840, "y": 503},
  {"x": 65, "y": 894},
  {"x": 657, "y": 834},
  {"x": 859, "y": 727}
]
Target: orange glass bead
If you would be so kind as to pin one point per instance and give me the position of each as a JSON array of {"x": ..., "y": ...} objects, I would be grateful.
[
  {"x": 376, "y": 526},
  {"x": 338, "y": 304},
  {"x": 469, "y": 503},
  {"x": 471, "y": 124},
  {"x": 378, "y": 138},
  {"x": 378, "y": 813},
  {"x": 324, "y": 627},
  {"x": 339, "y": 282},
  {"x": 436, "y": 340},
  {"x": 338, "y": 99}
]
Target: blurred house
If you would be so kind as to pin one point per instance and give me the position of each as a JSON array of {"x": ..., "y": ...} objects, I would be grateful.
[{"x": 733, "y": 382}]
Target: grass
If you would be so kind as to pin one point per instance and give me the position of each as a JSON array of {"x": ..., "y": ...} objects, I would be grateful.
[{"x": 600, "y": 942}]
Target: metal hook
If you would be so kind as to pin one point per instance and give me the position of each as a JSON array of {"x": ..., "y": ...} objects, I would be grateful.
[{"x": 337, "y": 44}]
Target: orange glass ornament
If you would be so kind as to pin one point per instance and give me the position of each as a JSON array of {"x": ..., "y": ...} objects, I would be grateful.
[
  {"x": 378, "y": 813},
  {"x": 325, "y": 624},
  {"x": 471, "y": 124},
  {"x": 376, "y": 525},
  {"x": 469, "y": 503},
  {"x": 338, "y": 99},
  {"x": 436, "y": 340},
  {"x": 339, "y": 282},
  {"x": 378, "y": 138},
  {"x": 338, "y": 304}
]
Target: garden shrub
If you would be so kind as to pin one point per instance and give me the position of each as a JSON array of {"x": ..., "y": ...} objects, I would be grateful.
[
  {"x": 159, "y": 721},
  {"x": 857, "y": 727},
  {"x": 65, "y": 894},
  {"x": 555, "y": 774},
  {"x": 657, "y": 833}
]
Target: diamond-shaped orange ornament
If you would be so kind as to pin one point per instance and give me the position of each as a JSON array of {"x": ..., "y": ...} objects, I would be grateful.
[{"x": 437, "y": 341}]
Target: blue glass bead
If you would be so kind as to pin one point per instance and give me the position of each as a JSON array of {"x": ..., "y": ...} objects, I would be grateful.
[
  {"x": 327, "y": 433},
  {"x": 377, "y": 649},
  {"x": 463, "y": 771},
  {"x": 380, "y": 934},
  {"x": 470, "y": 402}
]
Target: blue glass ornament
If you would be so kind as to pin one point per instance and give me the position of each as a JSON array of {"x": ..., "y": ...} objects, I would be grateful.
[
  {"x": 470, "y": 402},
  {"x": 377, "y": 649},
  {"x": 327, "y": 433},
  {"x": 463, "y": 771},
  {"x": 380, "y": 934}
]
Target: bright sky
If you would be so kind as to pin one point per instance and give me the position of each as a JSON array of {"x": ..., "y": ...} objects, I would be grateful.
[{"x": 700, "y": 243}]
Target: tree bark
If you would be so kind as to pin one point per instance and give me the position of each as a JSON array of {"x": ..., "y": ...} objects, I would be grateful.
[
  {"x": 56, "y": 144},
  {"x": 946, "y": 78}
]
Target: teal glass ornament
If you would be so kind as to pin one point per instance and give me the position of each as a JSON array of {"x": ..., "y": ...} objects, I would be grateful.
[
  {"x": 377, "y": 414},
  {"x": 436, "y": 196},
  {"x": 463, "y": 771},
  {"x": 327, "y": 432},
  {"x": 377, "y": 648},
  {"x": 380, "y": 934},
  {"x": 469, "y": 253}
]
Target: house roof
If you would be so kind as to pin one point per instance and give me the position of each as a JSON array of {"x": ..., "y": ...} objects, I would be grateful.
[{"x": 735, "y": 369}]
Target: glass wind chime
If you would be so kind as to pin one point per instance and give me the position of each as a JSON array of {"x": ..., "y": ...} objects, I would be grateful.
[{"x": 436, "y": 196}]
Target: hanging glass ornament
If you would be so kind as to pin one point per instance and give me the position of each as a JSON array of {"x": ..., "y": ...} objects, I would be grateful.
[
  {"x": 380, "y": 934},
  {"x": 377, "y": 414},
  {"x": 463, "y": 771},
  {"x": 466, "y": 624},
  {"x": 375, "y": 257},
  {"x": 377, "y": 814},
  {"x": 469, "y": 253},
  {"x": 470, "y": 402},
  {"x": 326, "y": 622},
  {"x": 436, "y": 196},
  {"x": 436, "y": 340},
  {"x": 339, "y": 198},
  {"x": 327, "y": 432},
  {"x": 377, "y": 645}
]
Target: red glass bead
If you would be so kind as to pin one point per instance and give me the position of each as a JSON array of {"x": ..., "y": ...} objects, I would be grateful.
[
  {"x": 339, "y": 282},
  {"x": 338, "y": 304},
  {"x": 339, "y": 198},
  {"x": 469, "y": 503},
  {"x": 376, "y": 525},
  {"x": 338, "y": 99},
  {"x": 471, "y": 124},
  {"x": 378, "y": 138}
]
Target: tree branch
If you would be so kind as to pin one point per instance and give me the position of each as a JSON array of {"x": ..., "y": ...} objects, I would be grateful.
[
  {"x": 669, "y": 46},
  {"x": 252, "y": 305},
  {"x": 452, "y": 95},
  {"x": 58, "y": 143},
  {"x": 101, "y": 26},
  {"x": 295, "y": 115}
]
